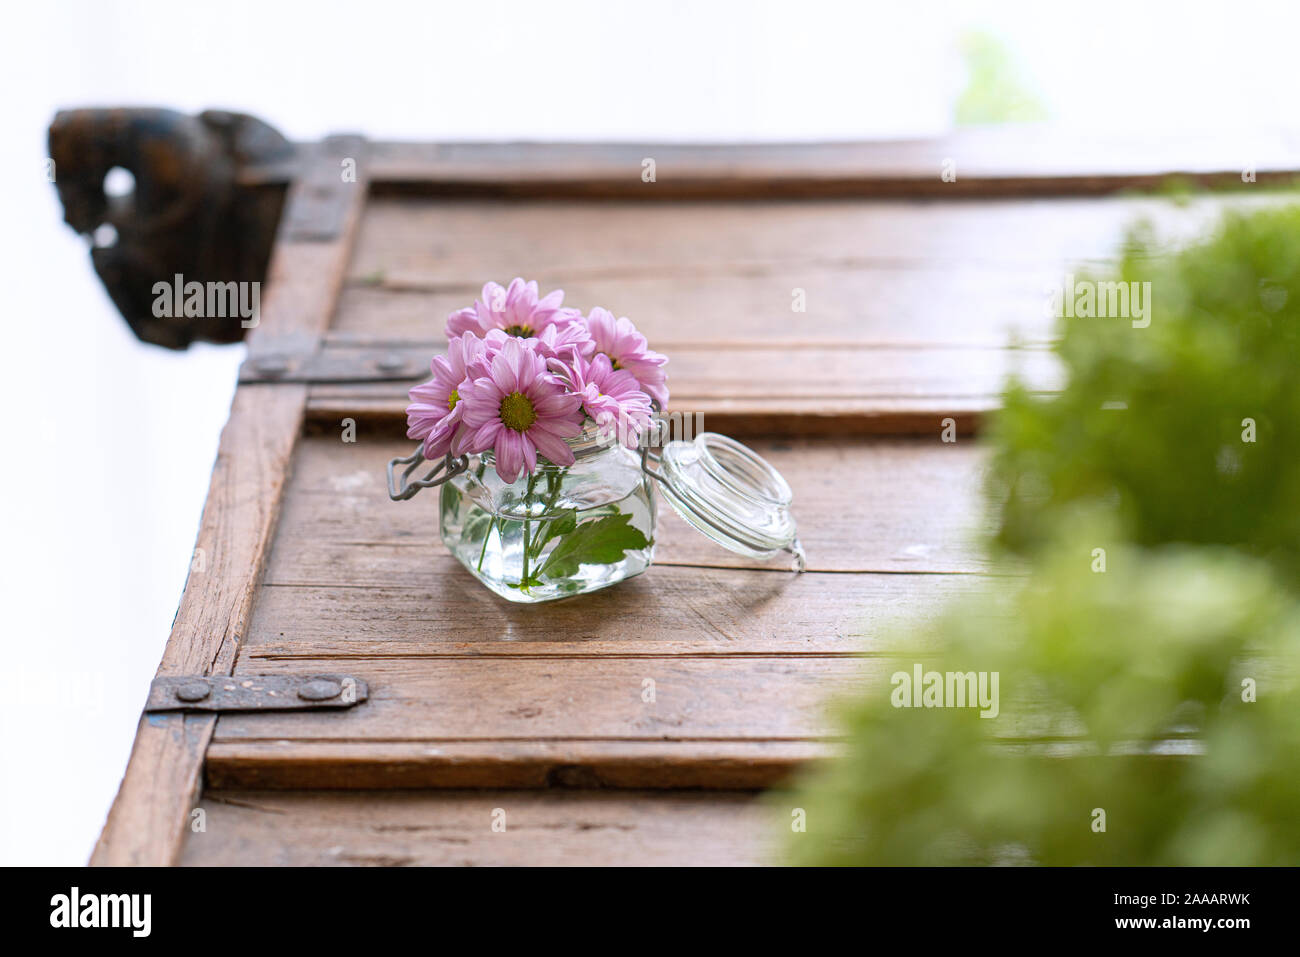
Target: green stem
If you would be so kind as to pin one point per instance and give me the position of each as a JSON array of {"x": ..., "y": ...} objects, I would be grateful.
[
  {"x": 528, "y": 507},
  {"x": 482, "y": 467},
  {"x": 554, "y": 480},
  {"x": 491, "y": 525}
]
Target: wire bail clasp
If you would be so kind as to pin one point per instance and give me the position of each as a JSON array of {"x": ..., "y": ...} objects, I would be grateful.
[{"x": 402, "y": 488}]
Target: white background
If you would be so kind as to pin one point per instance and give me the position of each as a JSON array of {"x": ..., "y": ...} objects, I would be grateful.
[{"x": 108, "y": 444}]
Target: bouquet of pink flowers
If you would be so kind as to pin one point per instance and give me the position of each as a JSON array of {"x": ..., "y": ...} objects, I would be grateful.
[
  {"x": 523, "y": 373},
  {"x": 540, "y": 422}
]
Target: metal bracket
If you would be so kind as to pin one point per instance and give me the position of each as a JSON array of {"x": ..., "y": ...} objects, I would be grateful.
[
  {"x": 254, "y": 692},
  {"x": 339, "y": 365},
  {"x": 318, "y": 202}
]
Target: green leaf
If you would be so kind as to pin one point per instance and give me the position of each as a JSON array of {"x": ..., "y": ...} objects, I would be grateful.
[
  {"x": 563, "y": 525},
  {"x": 477, "y": 526},
  {"x": 601, "y": 542}
]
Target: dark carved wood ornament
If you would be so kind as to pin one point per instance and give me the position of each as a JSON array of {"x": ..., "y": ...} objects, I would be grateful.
[{"x": 202, "y": 208}]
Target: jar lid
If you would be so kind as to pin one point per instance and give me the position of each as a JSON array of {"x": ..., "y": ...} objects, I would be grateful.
[{"x": 730, "y": 494}]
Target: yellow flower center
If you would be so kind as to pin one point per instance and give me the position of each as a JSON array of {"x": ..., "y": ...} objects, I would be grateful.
[
  {"x": 452, "y": 398},
  {"x": 523, "y": 332},
  {"x": 517, "y": 412}
]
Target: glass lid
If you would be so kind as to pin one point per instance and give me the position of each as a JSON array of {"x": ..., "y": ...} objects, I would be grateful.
[{"x": 730, "y": 494}]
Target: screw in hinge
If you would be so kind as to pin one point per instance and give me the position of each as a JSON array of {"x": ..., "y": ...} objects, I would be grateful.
[
  {"x": 320, "y": 689},
  {"x": 271, "y": 366},
  {"x": 193, "y": 691},
  {"x": 390, "y": 364}
]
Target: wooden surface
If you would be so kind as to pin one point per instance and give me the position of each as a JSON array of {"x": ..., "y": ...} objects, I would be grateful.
[
  {"x": 541, "y": 828},
  {"x": 920, "y": 296},
  {"x": 163, "y": 776},
  {"x": 1017, "y": 161},
  {"x": 470, "y": 691},
  {"x": 916, "y": 311},
  {"x": 863, "y": 505}
]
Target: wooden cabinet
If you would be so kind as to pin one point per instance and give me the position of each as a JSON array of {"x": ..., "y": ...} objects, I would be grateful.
[{"x": 844, "y": 309}]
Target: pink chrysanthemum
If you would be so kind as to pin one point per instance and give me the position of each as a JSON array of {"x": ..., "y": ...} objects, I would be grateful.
[
  {"x": 627, "y": 349},
  {"x": 519, "y": 409},
  {"x": 612, "y": 397},
  {"x": 563, "y": 341},
  {"x": 557, "y": 341},
  {"x": 436, "y": 409},
  {"x": 516, "y": 311}
]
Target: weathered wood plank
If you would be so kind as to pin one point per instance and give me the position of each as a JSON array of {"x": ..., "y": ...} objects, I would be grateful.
[
  {"x": 864, "y": 505},
  {"x": 380, "y": 411},
  {"x": 452, "y": 246},
  {"x": 1007, "y": 161},
  {"x": 872, "y": 273},
  {"x": 740, "y": 679},
  {"x": 541, "y": 828},
  {"x": 782, "y": 389},
  {"x": 697, "y": 611},
  {"x": 162, "y": 778},
  {"x": 910, "y": 306},
  {"x": 671, "y": 721},
  {"x": 865, "y": 303},
  {"x": 754, "y": 698},
  {"x": 749, "y": 657},
  {"x": 531, "y": 763}
]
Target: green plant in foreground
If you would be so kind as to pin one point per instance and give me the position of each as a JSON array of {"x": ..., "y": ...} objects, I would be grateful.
[
  {"x": 1149, "y": 689},
  {"x": 1207, "y": 448},
  {"x": 1109, "y": 684}
]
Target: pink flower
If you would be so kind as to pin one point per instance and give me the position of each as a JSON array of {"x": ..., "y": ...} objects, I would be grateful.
[
  {"x": 562, "y": 341},
  {"x": 436, "y": 409},
  {"x": 627, "y": 349},
  {"x": 557, "y": 341},
  {"x": 612, "y": 397},
  {"x": 519, "y": 409},
  {"x": 517, "y": 311}
]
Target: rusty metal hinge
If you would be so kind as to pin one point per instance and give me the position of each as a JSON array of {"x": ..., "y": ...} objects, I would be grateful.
[
  {"x": 254, "y": 692},
  {"x": 399, "y": 363}
]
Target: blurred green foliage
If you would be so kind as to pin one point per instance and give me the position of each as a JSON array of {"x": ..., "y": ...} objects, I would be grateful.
[
  {"x": 1222, "y": 351},
  {"x": 1098, "y": 675},
  {"x": 1124, "y": 686},
  {"x": 994, "y": 91}
]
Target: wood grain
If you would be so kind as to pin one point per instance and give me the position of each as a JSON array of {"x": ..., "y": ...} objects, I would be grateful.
[
  {"x": 535, "y": 722},
  {"x": 910, "y": 304},
  {"x": 781, "y": 389},
  {"x": 542, "y": 828},
  {"x": 696, "y": 611},
  {"x": 1021, "y": 161},
  {"x": 915, "y": 311},
  {"x": 454, "y": 246},
  {"x": 162, "y": 778},
  {"x": 756, "y": 698},
  {"x": 694, "y": 305},
  {"x": 530, "y": 763},
  {"x": 471, "y": 691},
  {"x": 381, "y": 412},
  {"x": 863, "y": 505}
]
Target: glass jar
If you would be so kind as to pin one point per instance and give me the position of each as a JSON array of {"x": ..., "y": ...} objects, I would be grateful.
[
  {"x": 558, "y": 532},
  {"x": 567, "y": 530}
]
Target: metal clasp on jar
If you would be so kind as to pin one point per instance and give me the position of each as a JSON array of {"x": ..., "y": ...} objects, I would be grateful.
[{"x": 401, "y": 488}]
